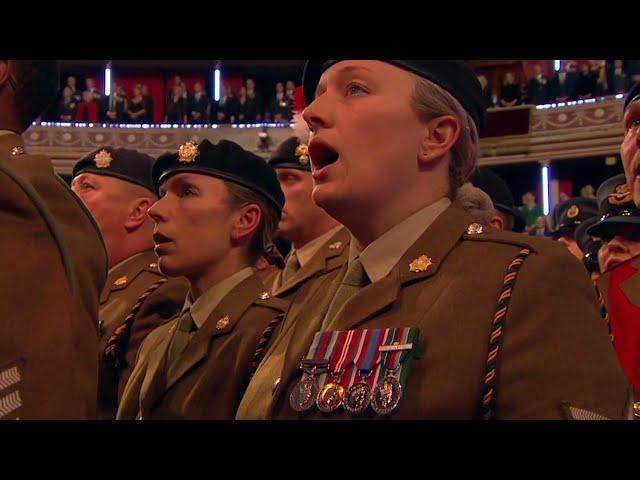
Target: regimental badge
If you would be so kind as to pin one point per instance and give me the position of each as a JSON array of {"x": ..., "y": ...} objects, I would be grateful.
[
  {"x": 188, "y": 152},
  {"x": 121, "y": 281},
  {"x": 420, "y": 264},
  {"x": 103, "y": 159},
  {"x": 302, "y": 152},
  {"x": 18, "y": 150},
  {"x": 474, "y": 229},
  {"x": 621, "y": 196},
  {"x": 223, "y": 322},
  {"x": 573, "y": 211},
  {"x": 335, "y": 246}
]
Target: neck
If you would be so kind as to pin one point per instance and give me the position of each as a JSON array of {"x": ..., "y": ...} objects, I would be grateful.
[
  {"x": 134, "y": 245},
  {"x": 319, "y": 227},
  {"x": 213, "y": 274}
]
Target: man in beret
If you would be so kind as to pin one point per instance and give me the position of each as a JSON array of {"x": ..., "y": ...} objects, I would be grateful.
[
  {"x": 115, "y": 185},
  {"x": 567, "y": 216},
  {"x": 427, "y": 291},
  {"x": 630, "y": 147},
  {"x": 319, "y": 245},
  {"x": 506, "y": 215},
  {"x": 54, "y": 266},
  {"x": 618, "y": 229}
]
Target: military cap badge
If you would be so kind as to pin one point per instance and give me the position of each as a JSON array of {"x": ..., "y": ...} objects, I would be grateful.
[
  {"x": 188, "y": 152},
  {"x": 420, "y": 264},
  {"x": 302, "y": 152},
  {"x": 621, "y": 196},
  {"x": 103, "y": 159},
  {"x": 573, "y": 211}
]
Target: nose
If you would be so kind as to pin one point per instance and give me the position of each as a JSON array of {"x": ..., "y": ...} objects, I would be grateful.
[{"x": 317, "y": 114}]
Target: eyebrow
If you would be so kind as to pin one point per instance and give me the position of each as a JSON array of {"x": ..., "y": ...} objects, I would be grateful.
[{"x": 346, "y": 70}]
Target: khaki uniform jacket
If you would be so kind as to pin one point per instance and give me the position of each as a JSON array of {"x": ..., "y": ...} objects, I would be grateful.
[
  {"x": 555, "y": 355},
  {"x": 54, "y": 265},
  {"x": 332, "y": 255},
  {"x": 211, "y": 374},
  {"x": 125, "y": 284}
]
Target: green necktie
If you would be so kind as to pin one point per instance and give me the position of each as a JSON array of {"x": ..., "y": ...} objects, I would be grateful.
[
  {"x": 186, "y": 327},
  {"x": 355, "y": 279},
  {"x": 290, "y": 268}
]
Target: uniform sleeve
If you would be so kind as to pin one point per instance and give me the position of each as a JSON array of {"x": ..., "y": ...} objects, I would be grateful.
[
  {"x": 163, "y": 304},
  {"x": 556, "y": 353}
]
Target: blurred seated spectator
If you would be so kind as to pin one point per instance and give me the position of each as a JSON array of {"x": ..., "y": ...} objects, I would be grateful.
[
  {"x": 255, "y": 105},
  {"x": 585, "y": 83},
  {"x": 67, "y": 107},
  {"x": 538, "y": 88},
  {"x": 599, "y": 74},
  {"x": 243, "y": 106},
  {"x": 116, "y": 105},
  {"x": 291, "y": 91},
  {"x": 540, "y": 228},
  {"x": 487, "y": 92},
  {"x": 226, "y": 109},
  {"x": 510, "y": 94},
  {"x": 280, "y": 106},
  {"x": 199, "y": 110},
  {"x": 530, "y": 210},
  {"x": 619, "y": 80},
  {"x": 136, "y": 106},
  {"x": 177, "y": 107},
  {"x": 87, "y": 109},
  {"x": 91, "y": 87},
  {"x": 562, "y": 84},
  {"x": 75, "y": 93},
  {"x": 148, "y": 105}
]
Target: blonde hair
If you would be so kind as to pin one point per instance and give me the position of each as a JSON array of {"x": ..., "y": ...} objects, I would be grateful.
[
  {"x": 262, "y": 242},
  {"x": 476, "y": 202},
  {"x": 430, "y": 101}
]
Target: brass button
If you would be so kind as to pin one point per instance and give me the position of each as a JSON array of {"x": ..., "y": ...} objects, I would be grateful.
[{"x": 636, "y": 409}]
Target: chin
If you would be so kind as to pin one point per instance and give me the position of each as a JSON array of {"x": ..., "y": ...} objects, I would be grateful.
[{"x": 169, "y": 267}]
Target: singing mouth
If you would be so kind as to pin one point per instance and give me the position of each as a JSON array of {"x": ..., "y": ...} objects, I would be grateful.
[{"x": 322, "y": 154}]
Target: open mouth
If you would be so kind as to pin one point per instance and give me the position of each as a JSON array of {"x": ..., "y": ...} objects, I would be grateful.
[
  {"x": 322, "y": 154},
  {"x": 159, "y": 238}
]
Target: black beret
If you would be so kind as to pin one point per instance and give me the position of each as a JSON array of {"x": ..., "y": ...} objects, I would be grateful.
[
  {"x": 128, "y": 165},
  {"x": 225, "y": 160},
  {"x": 493, "y": 185},
  {"x": 588, "y": 244},
  {"x": 571, "y": 213},
  {"x": 632, "y": 95},
  {"x": 291, "y": 153},
  {"x": 615, "y": 207},
  {"x": 454, "y": 76}
]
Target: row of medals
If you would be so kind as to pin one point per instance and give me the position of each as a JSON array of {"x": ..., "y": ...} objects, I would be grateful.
[{"x": 356, "y": 399}]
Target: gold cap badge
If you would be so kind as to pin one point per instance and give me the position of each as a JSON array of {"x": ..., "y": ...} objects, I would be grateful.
[
  {"x": 573, "y": 211},
  {"x": 223, "y": 322},
  {"x": 302, "y": 152},
  {"x": 188, "y": 152},
  {"x": 103, "y": 159},
  {"x": 420, "y": 264},
  {"x": 621, "y": 196}
]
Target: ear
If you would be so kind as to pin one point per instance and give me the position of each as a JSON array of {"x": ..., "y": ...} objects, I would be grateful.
[
  {"x": 247, "y": 221},
  {"x": 4, "y": 72},
  {"x": 138, "y": 213},
  {"x": 497, "y": 222},
  {"x": 440, "y": 135}
]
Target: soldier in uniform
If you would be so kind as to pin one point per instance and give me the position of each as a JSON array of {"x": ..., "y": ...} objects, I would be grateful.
[
  {"x": 589, "y": 246},
  {"x": 567, "y": 216},
  {"x": 54, "y": 266},
  {"x": 434, "y": 316},
  {"x": 618, "y": 229},
  {"x": 506, "y": 216},
  {"x": 319, "y": 245},
  {"x": 630, "y": 147},
  {"x": 219, "y": 209},
  {"x": 115, "y": 185}
]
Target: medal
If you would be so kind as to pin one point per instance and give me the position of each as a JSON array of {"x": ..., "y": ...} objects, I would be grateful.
[
  {"x": 332, "y": 394},
  {"x": 387, "y": 394},
  {"x": 358, "y": 396},
  {"x": 304, "y": 393}
]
